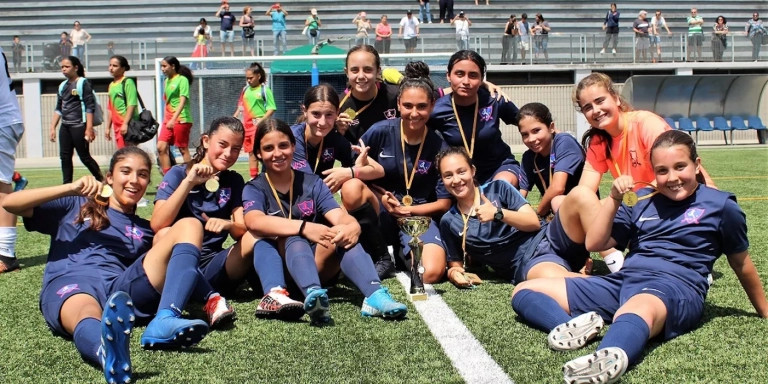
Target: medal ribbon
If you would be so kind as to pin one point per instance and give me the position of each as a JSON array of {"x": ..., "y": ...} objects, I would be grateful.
[
  {"x": 409, "y": 181},
  {"x": 465, "y": 219},
  {"x": 635, "y": 198},
  {"x": 358, "y": 112},
  {"x": 470, "y": 148},
  {"x": 319, "y": 153},
  {"x": 277, "y": 198}
]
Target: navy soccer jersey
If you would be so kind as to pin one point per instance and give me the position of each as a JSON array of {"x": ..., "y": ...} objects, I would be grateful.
[
  {"x": 681, "y": 239},
  {"x": 76, "y": 248},
  {"x": 218, "y": 204},
  {"x": 490, "y": 150},
  {"x": 335, "y": 147},
  {"x": 384, "y": 140},
  {"x": 311, "y": 198},
  {"x": 383, "y": 107},
  {"x": 496, "y": 244},
  {"x": 566, "y": 155}
]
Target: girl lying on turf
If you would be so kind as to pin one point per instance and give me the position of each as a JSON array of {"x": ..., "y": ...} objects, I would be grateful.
[
  {"x": 101, "y": 272},
  {"x": 295, "y": 214},
  {"x": 674, "y": 235}
]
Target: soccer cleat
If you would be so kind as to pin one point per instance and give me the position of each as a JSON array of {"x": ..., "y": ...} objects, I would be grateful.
[
  {"x": 317, "y": 306},
  {"x": 380, "y": 303},
  {"x": 219, "y": 311},
  {"x": 169, "y": 331},
  {"x": 116, "y": 324},
  {"x": 385, "y": 267},
  {"x": 8, "y": 264},
  {"x": 605, "y": 366},
  {"x": 277, "y": 304},
  {"x": 21, "y": 184},
  {"x": 575, "y": 333}
]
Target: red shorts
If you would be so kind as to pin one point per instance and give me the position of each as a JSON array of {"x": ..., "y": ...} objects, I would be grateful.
[
  {"x": 250, "y": 136},
  {"x": 178, "y": 136},
  {"x": 119, "y": 140}
]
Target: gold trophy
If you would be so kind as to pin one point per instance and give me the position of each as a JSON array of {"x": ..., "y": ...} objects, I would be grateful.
[{"x": 416, "y": 226}]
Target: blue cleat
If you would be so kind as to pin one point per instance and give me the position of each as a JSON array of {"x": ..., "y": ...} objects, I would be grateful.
[
  {"x": 316, "y": 305},
  {"x": 116, "y": 324},
  {"x": 21, "y": 184},
  {"x": 381, "y": 304},
  {"x": 169, "y": 331}
]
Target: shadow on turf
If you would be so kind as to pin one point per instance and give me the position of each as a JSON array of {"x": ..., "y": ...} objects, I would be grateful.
[{"x": 33, "y": 261}]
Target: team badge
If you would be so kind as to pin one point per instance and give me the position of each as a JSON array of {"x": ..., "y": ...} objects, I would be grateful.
[
  {"x": 328, "y": 154},
  {"x": 133, "y": 232},
  {"x": 67, "y": 289},
  {"x": 423, "y": 167},
  {"x": 247, "y": 205},
  {"x": 224, "y": 195},
  {"x": 486, "y": 114},
  {"x": 390, "y": 114},
  {"x": 163, "y": 185},
  {"x": 307, "y": 208},
  {"x": 692, "y": 216}
]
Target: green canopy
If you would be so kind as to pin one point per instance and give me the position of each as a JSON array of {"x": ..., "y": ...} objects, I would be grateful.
[{"x": 305, "y": 66}]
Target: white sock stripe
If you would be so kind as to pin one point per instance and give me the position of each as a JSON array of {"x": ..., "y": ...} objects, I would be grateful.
[{"x": 466, "y": 353}]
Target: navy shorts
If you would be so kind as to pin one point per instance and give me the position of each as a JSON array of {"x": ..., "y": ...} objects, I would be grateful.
[
  {"x": 605, "y": 294},
  {"x": 558, "y": 248},
  {"x": 508, "y": 165},
  {"x": 213, "y": 267}
]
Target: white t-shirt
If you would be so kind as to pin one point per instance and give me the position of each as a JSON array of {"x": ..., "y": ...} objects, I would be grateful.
[
  {"x": 78, "y": 37},
  {"x": 462, "y": 27},
  {"x": 657, "y": 23},
  {"x": 10, "y": 113},
  {"x": 409, "y": 26}
]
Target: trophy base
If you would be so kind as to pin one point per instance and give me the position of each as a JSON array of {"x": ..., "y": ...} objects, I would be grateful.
[{"x": 418, "y": 296}]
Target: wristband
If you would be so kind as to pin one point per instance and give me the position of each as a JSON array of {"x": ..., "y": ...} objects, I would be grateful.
[
  {"x": 356, "y": 172},
  {"x": 352, "y": 171},
  {"x": 301, "y": 227}
]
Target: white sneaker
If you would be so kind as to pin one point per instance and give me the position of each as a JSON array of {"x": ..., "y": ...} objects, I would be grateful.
[
  {"x": 602, "y": 51},
  {"x": 614, "y": 51},
  {"x": 575, "y": 333},
  {"x": 219, "y": 311},
  {"x": 277, "y": 304},
  {"x": 606, "y": 366}
]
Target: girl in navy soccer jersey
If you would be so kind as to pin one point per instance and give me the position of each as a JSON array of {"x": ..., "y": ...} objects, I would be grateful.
[
  {"x": 101, "y": 272},
  {"x": 470, "y": 117},
  {"x": 408, "y": 184},
  {"x": 208, "y": 191},
  {"x": 289, "y": 208},
  {"x": 674, "y": 235},
  {"x": 495, "y": 225}
]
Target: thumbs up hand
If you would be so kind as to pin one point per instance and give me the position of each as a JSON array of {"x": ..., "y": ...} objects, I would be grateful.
[{"x": 486, "y": 210}]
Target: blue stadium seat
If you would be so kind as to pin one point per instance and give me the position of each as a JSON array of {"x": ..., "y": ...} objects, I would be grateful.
[
  {"x": 737, "y": 124},
  {"x": 721, "y": 124},
  {"x": 685, "y": 124},
  {"x": 703, "y": 124},
  {"x": 754, "y": 122},
  {"x": 671, "y": 122}
]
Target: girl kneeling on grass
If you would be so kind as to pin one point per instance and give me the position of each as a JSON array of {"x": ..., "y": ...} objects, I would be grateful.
[
  {"x": 209, "y": 192},
  {"x": 674, "y": 234},
  {"x": 101, "y": 272},
  {"x": 290, "y": 209}
]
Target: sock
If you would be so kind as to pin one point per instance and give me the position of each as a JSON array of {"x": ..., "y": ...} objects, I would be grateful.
[
  {"x": 16, "y": 177},
  {"x": 268, "y": 265},
  {"x": 203, "y": 289},
  {"x": 87, "y": 339},
  {"x": 8, "y": 241},
  {"x": 301, "y": 263},
  {"x": 358, "y": 267},
  {"x": 181, "y": 277},
  {"x": 614, "y": 260},
  {"x": 373, "y": 242},
  {"x": 539, "y": 310},
  {"x": 630, "y": 333},
  {"x": 254, "y": 172}
]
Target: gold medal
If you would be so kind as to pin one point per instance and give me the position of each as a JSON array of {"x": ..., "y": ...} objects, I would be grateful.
[
  {"x": 407, "y": 200},
  {"x": 212, "y": 185},
  {"x": 630, "y": 199},
  {"x": 351, "y": 113},
  {"x": 103, "y": 197}
]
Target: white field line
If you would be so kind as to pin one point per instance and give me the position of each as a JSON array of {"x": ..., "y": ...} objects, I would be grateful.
[{"x": 465, "y": 352}]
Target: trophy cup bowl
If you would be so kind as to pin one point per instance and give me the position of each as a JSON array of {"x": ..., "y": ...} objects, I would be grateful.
[{"x": 416, "y": 226}]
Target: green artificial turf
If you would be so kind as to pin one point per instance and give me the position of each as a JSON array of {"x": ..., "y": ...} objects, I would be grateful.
[{"x": 729, "y": 346}]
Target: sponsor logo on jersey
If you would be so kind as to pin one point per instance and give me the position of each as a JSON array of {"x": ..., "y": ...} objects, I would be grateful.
[
  {"x": 163, "y": 185},
  {"x": 306, "y": 207},
  {"x": 67, "y": 289},
  {"x": 692, "y": 216},
  {"x": 247, "y": 204},
  {"x": 299, "y": 164}
]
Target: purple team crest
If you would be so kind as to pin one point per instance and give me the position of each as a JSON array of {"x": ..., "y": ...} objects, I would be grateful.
[
  {"x": 486, "y": 114},
  {"x": 224, "y": 195},
  {"x": 67, "y": 289},
  {"x": 248, "y": 204},
  {"x": 329, "y": 154},
  {"x": 692, "y": 216},
  {"x": 133, "y": 232},
  {"x": 307, "y": 208},
  {"x": 390, "y": 114},
  {"x": 423, "y": 167},
  {"x": 298, "y": 165},
  {"x": 163, "y": 185}
]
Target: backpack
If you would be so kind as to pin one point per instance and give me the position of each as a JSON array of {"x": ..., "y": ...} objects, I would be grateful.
[
  {"x": 98, "y": 113},
  {"x": 145, "y": 127}
]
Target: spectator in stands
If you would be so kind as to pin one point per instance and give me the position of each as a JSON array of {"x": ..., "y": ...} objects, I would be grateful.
[
  {"x": 642, "y": 43},
  {"x": 510, "y": 40},
  {"x": 11, "y": 130},
  {"x": 525, "y": 35},
  {"x": 313, "y": 24},
  {"x": 541, "y": 36},
  {"x": 80, "y": 37},
  {"x": 487, "y": 2},
  {"x": 65, "y": 45},
  {"x": 227, "y": 32},
  {"x": 719, "y": 38},
  {"x": 657, "y": 21},
  {"x": 75, "y": 111},
  {"x": 611, "y": 28},
  {"x": 202, "y": 35},
  {"x": 362, "y": 24},
  {"x": 755, "y": 31},
  {"x": 249, "y": 32},
  {"x": 278, "y": 14},
  {"x": 18, "y": 50},
  {"x": 383, "y": 35},
  {"x": 695, "y": 35},
  {"x": 409, "y": 31},
  {"x": 424, "y": 14},
  {"x": 110, "y": 48},
  {"x": 462, "y": 23},
  {"x": 446, "y": 11}
]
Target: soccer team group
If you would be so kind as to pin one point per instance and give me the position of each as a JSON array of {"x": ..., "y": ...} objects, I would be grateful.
[{"x": 406, "y": 149}]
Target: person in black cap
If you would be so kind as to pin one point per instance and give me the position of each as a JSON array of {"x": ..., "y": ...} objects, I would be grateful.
[{"x": 409, "y": 31}]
